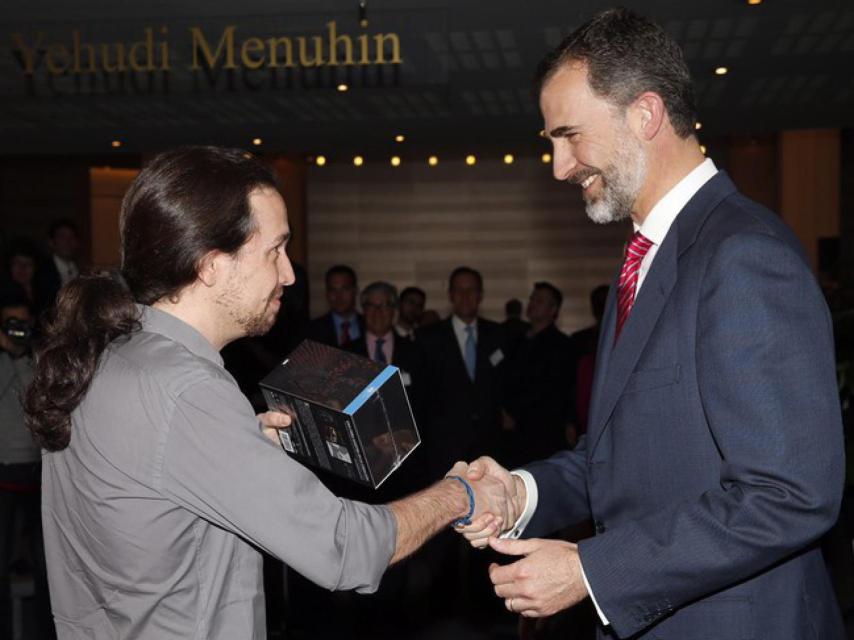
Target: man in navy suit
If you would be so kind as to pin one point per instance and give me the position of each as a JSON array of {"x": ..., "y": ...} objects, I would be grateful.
[
  {"x": 713, "y": 460},
  {"x": 463, "y": 357},
  {"x": 61, "y": 267},
  {"x": 342, "y": 324}
]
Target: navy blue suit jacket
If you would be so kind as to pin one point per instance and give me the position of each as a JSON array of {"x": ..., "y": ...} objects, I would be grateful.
[
  {"x": 462, "y": 419},
  {"x": 714, "y": 456}
]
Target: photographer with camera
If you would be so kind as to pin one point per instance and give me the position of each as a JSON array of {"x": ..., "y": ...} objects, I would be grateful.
[{"x": 20, "y": 464}]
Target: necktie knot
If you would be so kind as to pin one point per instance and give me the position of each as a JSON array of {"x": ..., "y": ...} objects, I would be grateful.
[{"x": 638, "y": 247}]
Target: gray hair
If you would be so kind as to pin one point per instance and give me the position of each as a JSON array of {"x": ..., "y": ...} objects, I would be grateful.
[{"x": 389, "y": 290}]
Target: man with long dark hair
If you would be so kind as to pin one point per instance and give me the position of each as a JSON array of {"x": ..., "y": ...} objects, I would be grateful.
[
  {"x": 713, "y": 459},
  {"x": 160, "y": 483}
]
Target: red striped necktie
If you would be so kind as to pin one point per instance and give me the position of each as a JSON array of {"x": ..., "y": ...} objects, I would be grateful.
[{"x": 628, "y": 283}]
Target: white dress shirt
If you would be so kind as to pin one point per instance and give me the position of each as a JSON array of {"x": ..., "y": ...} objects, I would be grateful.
[
  {"x": 654, "y": 228},
  {"x": 67, "y": 269}
]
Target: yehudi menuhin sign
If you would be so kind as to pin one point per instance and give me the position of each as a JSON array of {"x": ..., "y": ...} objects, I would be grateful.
[{"x": 227, "y": 50}]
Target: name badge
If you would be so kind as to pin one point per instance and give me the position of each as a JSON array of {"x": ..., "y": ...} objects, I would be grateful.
[{"x": 496, "y": 357}]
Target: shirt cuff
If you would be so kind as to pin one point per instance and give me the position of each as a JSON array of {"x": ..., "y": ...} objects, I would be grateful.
[
  {"x": 531, "y": 498},
  {"x": 592, "y": 597}
]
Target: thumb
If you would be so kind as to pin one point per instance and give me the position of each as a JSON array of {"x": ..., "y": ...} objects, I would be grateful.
[
  {"x": 477, "y": 470},
  {"x": 514, "y": 547},
  {"x": 459, "y": 469},
  {"x": 274, "y": 419}
]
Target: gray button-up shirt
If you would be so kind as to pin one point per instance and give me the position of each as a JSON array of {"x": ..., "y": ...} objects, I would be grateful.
[{"x": 152, "y": 511}]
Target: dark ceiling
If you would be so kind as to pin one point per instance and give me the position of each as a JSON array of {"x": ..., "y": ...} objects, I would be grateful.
[{"x": 464, "y": 79}]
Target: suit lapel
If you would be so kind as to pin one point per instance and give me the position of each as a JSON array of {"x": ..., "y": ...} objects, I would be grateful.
[
  {"x": 616, "y": 362},
  {"x": 624, "y": 354}
]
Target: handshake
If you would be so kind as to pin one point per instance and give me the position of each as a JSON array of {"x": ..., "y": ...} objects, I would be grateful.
[
  {"x": 499, "y": 498},
  {"x": 546, "y": 576}
]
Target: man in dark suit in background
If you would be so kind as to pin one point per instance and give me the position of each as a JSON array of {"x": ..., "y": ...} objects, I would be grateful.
[
  {"x": 463, "y": 355},
  {"x": 538, "y": 382},
  {"x": 514, "y": 326},
  {"x": 342, "y": 323},
  {"x": 713, "y": 460},
  {"x": 463, "y": 361},
  {"x": 61, "y": 266}
]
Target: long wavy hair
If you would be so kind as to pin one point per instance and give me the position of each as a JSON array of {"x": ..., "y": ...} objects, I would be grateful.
[{"x": 182, "y": 205}]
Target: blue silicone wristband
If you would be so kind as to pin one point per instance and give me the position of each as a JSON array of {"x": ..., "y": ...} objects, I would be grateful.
[{"x": 466, "y": 519}]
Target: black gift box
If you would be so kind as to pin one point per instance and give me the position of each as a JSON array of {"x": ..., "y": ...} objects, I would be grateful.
[{"x": 350, "y": 415}]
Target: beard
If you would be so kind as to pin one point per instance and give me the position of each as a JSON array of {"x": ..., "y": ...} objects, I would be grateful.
[
  {"x": 259, "y": 324},
  {"x": 251, "y": 323},
  {"x": 621, "y": 183}
]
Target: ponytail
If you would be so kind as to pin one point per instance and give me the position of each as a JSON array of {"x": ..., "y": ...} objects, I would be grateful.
[{"x": 90, "y": 312}]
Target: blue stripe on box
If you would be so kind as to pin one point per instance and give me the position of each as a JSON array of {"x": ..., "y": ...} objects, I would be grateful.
[{"x": 370, "y": 390}]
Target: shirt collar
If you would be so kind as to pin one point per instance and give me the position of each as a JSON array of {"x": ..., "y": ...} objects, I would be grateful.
[
  {"x": 661, "y": 217},
  {"x": 460, "y": 326},
  {"x": 62, "y": 263},
  {"x": 351, "y": 318},
  {"x": 157, "y": 321}
]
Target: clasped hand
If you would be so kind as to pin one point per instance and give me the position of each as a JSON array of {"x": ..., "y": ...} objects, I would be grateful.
[
  {"x": 499, "y": 509},
  {"x": 546, "y": 577}
]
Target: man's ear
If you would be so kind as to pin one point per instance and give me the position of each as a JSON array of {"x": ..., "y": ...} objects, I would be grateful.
[
  {"x": 646, "y": 115},
  {"x": 212, "y": 267}
]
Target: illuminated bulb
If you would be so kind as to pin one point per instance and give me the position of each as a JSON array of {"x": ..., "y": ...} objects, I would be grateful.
[
  {"x": 508, "y": 158},
  {"x": 320, "y": 161},
  {"x": 358, "y": 161},
  {"x": 399, "y": 138},
  {"x": 542, "y": 133},
  {"x": 342, "y": 87},
  {"x": 432, "y": 161},
  {"x": 546, "y": 157},
  {"x": 470, "y": 160},
  {"x": 257, "y": 141},
  {"x": 395, "y": 161},
  {"x": 116, "y": 144},
  {"x": 703, "y": 149},
  {"x": 721, "y": 71},
  {"x": 754, "y": 1},
  {"x": 698, "y": 126}
]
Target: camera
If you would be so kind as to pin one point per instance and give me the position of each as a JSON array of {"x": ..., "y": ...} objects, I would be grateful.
[{"x": 18, "y": 331}]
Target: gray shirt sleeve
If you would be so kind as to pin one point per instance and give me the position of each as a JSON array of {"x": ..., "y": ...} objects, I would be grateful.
[{"x": 216, "y": 463}]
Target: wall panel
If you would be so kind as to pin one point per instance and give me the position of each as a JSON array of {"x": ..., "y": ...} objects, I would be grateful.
[{"x": 414, "y": 224}]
